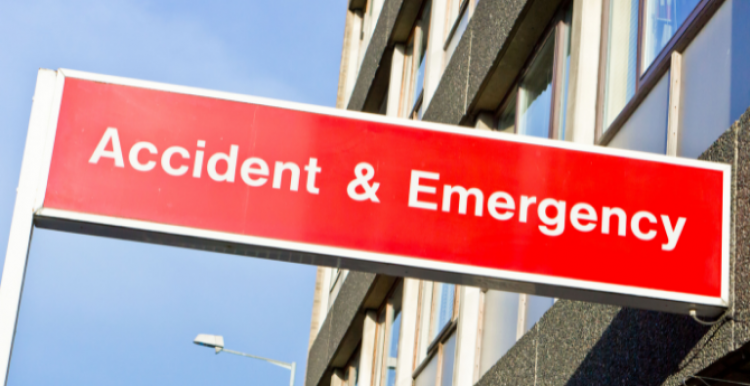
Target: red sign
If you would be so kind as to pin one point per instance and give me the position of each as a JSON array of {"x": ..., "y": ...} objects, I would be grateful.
[{"x": 390, "y": 191}]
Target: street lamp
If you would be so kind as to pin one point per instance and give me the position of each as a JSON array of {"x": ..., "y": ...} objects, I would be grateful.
[{"x": 217, "y": 343}]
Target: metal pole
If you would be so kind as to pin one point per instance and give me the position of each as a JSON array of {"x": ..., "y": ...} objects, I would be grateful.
[
  {"x": 32, "y": 169},
  {"x": 288, "y": 366}
]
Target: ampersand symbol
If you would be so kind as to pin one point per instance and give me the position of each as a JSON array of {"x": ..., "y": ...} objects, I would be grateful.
[{"x": 362, "y": 180}]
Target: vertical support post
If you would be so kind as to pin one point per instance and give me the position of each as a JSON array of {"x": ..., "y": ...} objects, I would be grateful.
[
  {"x": 395, "y": 82},
  {"x": 435, "y": 53},
  {"x": 523, "y": 310},
  {"x": 367, "y": 352},
  {"x": 585, "y": 52},
  {"x": 675, "y": 99},
  {"x": 409, "y": 317},
  {"x": 291, "y": 379},
  {"x": 468, "y": 323},
  {"x": 22, "y": 223}
]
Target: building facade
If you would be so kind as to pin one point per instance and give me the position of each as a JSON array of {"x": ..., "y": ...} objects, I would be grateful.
[{"x": 662, "y": 76}]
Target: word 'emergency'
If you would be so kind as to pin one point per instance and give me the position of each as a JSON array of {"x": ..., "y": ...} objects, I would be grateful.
[{"x": 502, "y": 206}]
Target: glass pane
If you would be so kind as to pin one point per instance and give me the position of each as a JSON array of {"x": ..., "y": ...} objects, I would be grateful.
[
  {"x": 390, "y": 379},
  {"x": 424, "y": 320},
  {"x": 663, "y": 18},
  {"x": 444, "y": 308},
  {"x": 646, "y": 129},
  {"x": 507, "y": 121},
  {"x": 537, "y": 306},
  {"x": 707, "y": 83},
  {"x": 419, "y": 80},
  {"x": 463, "y": 22},
  {"x": 563, "y": 107},
  {"x": 394, "y": 335},
  {"x": 535, "y": 93},
  {"x": 428, "y": 375},
  {"x": 499, "y": 327},
  {"x": 622, "y": 50},
  {"x": 449, "y": 356}
]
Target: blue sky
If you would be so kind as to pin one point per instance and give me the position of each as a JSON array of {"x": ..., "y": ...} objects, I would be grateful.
[{"x": 108, "y": 312}]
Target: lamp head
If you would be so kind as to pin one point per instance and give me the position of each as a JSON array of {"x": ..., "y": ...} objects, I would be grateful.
[{"x": 214, "y": 341}]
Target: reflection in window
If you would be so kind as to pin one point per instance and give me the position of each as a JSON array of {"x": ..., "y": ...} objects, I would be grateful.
[
  {"x": 622, "y": 47},
  {"x": 663, "y": 18},
  {"x": 445, "y": 295},
  {"x": 538, "y": 105},
  {"x": 535, "y": 93}
]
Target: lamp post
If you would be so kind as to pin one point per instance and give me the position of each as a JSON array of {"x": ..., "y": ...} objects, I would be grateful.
[{"x": 217, "y": 343}]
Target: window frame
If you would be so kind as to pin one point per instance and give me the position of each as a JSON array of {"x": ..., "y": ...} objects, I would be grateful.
[
  {"x": 382, "y": 332},
  {"x": 464, "y": 6},
  {"x": 645, "y": 80},
  {"x": 557, "y": 28},
  {"x": 436, "y": 345},
  {"x": 410, "y": 103},
  {"x": 335, "y": 275}
]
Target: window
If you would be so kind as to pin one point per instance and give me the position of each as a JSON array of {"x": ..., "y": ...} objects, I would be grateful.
[
  {"x": 392, "y": 354},
  {"x": 536, "y": 107},
  {"x": 415, "y": 65},
  {"x": 622, "y": 51},
  {"x": 715, "y": 74},
  {"x": 662, "y": 18},
  {"x": 444, "y": 297},
  {"x": 646, "y": 129},
  {"x": 621, "y": 70},
  {"x": 535, "y": 93},
  {"x": 387, "y": 338},
  {"x": 436, "y": 349}
]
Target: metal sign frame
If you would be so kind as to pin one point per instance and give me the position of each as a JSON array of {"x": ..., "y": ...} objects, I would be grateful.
[{"x": 29, "y": 211}]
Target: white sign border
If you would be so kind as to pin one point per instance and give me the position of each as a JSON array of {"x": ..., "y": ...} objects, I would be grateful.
[{"x": 722, "y": 301}]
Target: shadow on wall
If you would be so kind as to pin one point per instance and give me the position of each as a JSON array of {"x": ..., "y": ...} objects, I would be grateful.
[{"x": 640, "y": 348}]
